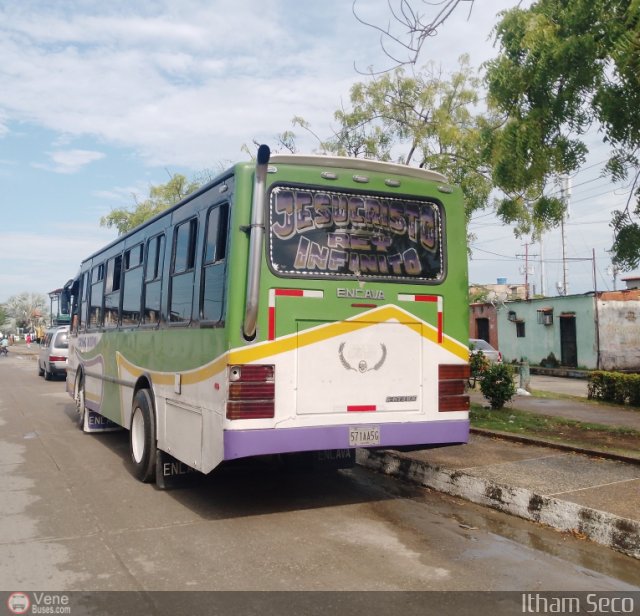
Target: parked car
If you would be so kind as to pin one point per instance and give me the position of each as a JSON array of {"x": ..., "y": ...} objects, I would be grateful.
[
  {"x": 493, "y": 355},
  {"x": 54, "y": 350}
]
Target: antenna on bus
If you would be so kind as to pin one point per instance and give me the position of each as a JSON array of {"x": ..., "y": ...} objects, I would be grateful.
[{"x": 256, "y": 240}]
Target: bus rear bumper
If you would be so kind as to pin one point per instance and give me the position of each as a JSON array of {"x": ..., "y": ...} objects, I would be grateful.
[{"x": 246, "y": 443}]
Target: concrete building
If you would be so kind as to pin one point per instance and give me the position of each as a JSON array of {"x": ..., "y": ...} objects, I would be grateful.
[
  {"x": 594, "y": 331},
  {"x": 632, "y": 282},
  {"x": 499, "y": 292},
  {"x": 619, "y": 329},
  {"x": 483, "y": 323}
]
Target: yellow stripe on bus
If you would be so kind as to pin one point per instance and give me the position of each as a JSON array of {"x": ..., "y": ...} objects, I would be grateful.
[
  {"x": 292, "y": 341},
  {"x": 189, "y": 377},
  {"x": 338, "y": 328}
]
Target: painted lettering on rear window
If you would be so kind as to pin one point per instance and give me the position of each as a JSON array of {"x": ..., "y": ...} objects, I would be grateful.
[{"x": 342, "y": 234}]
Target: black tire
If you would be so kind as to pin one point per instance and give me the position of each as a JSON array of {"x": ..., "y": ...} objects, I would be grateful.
[
  {"x": 79, "y": 397},
  {"x": 40, "y": 370},
  {"x": 142, "y": 437},
  {"x": 47, "y": 375}
]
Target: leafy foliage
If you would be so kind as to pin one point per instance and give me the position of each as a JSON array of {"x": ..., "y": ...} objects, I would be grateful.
[
  {"x": 3, "y": 317},
  {"x": 28, "y": 309},
  {"x": 422, "y": 118},
  {"x": 478, "y": 294},
  {"x": 497, "y": 385},
  {"x": 565, "y": 67},
  {"x": 432, "y": 120},
  {"x": 614, "y": 387},
  {"x": 478, "y": 365},
  {"x": 160, "y": 198}
]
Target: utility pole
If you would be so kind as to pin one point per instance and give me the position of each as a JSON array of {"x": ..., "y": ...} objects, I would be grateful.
[
  {"x": 526, "y": 256},
  {"x": 597, "y": 314},
  {"x": 565, "y": 192},
  {"x": 543, "y": 278},
  {"x": 612, "y": 270}
]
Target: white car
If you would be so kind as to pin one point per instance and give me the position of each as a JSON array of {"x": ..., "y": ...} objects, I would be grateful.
[
  {"x": 54, "y": 349},
  {"x": 493, "y": 355}
]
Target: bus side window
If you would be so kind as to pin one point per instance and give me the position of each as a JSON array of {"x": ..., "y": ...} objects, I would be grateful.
[
  {"x": 182, "y": 274},
  {"x": 213, "y": 269},
  {"x": 97, "y": 290},
  {"x": 132, "y": 286},
  {"x": 112, "y": 292},
  {"x": 84, "y": 301},
  {"x": 153, "y": 280}
]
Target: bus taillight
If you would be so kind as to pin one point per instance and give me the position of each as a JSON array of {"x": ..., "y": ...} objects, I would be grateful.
[
  {"x": 252, "y": 372},
  {"x": 452, "y": 380},
  {"x": 251, "y": 392}
]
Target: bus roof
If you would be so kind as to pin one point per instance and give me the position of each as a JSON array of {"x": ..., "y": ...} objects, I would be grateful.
[
  {"x": 342, "y": 162},
  {"x": 361, "y": 164}
]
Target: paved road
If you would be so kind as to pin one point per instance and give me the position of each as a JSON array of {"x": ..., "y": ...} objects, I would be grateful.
[
  {"x": 554, "y": 384},
  {"x": 72, "y": 517}
]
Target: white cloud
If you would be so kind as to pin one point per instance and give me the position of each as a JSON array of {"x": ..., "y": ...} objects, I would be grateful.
[
  {"x": 123, "y": 195},
  {"x": 69, "y": 161},
  {"x": 185, "y": 84},
  {"x": 46, "y": 258}
]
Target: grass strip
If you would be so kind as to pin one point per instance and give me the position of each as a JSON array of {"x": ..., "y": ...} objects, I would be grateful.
[{"x": 557, "y": 429}]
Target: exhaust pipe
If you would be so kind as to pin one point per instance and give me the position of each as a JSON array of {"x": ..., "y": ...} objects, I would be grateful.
[{"x": 256, "y": 242}]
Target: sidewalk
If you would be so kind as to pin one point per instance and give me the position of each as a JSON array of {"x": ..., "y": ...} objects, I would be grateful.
[{"x": 589, "y": 496}]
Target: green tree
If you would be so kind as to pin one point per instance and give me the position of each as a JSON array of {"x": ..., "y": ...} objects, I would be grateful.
[
  {"x": 4, "y": 317},
  {"x": 28, "y": 309},
  {"x": 422, "y": 118},
  {"x": 478, "y": 293},
  {"x": 563, "y": 69},
  {"x": 160, "y": 198}
]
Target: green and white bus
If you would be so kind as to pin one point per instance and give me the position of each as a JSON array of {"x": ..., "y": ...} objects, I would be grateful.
[{"x": 298, "y": 304}]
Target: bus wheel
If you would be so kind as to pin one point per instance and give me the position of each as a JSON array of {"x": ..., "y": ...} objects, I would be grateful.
[
  {"x": 142, "y": 437},
  {"x": 81, "y": 408}
]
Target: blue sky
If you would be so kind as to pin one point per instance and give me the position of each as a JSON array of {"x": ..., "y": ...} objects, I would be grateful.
[{"x": 98, "y": 101}]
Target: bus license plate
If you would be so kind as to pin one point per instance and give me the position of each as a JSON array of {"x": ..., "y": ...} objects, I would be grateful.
[{"x": 360, "y": 436}]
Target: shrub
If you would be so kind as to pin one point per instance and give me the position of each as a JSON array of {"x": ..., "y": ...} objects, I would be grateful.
[
  {"x": 478, "y": 365},
  {"x": 614, "y": 387},
  {"x": 497, "y": 385}
]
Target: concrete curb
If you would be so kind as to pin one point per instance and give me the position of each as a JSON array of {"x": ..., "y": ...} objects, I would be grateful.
[{"x": 604, "y": 528}]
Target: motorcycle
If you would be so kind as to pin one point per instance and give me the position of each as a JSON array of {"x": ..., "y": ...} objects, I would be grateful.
[{"x": 4, "y": 350}]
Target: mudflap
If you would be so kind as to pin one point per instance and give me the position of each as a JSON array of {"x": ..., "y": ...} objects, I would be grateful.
[
  {"x": 94, "y": 422},
  {"x": 171, "y": 473}
]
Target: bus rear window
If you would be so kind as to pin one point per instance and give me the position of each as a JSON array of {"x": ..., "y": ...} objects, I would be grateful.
[{"x": 351, "y": 235}]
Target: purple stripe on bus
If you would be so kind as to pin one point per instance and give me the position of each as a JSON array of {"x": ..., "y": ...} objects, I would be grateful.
[{"x": 244, "y": 443}]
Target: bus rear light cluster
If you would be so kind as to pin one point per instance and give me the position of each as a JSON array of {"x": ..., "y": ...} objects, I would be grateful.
[
  {"x": 251, "y": 392},
  {"x": 252, "y": 372},
  {"x": 452, "y": 380}
]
